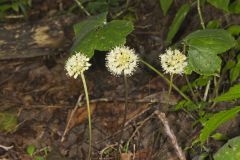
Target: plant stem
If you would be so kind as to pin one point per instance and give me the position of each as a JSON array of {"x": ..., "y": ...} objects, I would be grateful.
[
  {"x": 170, "y": 85},
  {"x": 167, "y": 80},
  {"x": 125, "y": 106},
  {"x": 89, "y": 115},
  {"x": 191, "y": 89},
  {"x": 206, "y": 91},
  {"x": 200, "y": 14},
  {"x": 82, "y": 8}
]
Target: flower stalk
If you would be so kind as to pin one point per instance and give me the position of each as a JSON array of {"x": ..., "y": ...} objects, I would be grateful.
[
  {"x": 167, "y": 80},
  {"x": 89, "y": 115}
]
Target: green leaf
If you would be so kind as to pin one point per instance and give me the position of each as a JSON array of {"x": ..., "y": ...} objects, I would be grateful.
[
  {"x": 8, "y": 121},
  {"x": 220, "y": 4},
  {"x": 230, "y": 150},
  {"x": 214, "y": 24},
  {"x": 215, "y": 121},
  {"x": 213, "y": 41},
  {"x": 84, "y": 27},
  {"x": 165, "y": 5},
  {"x": 234, "y": 73},
  {"x": 219, "y": 137},
  {"x": 234, "y": 29},
  {"x": 232, "y": 94},
  {"x": 234, "y": 7},
  {"x": 203, "y": 62},
  {"x": 204, "y": 45},
  {"x": 30, "y": 150},
  {"x": 103, "y": 38},
  {"x": 177, "y": 22},
  {"x": 97, "y": 7}
]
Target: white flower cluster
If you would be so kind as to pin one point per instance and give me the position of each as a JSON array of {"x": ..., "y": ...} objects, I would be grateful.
[
  {"x": 173, "y": 61},
  {"x": 77, "y": 64},
  {"x": 122, "y": 60}
]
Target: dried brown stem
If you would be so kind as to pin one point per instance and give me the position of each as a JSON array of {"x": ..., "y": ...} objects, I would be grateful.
[{"x": 171, "y": 135}]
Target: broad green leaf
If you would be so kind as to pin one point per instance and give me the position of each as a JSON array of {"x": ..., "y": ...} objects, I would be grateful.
[
  {"x": 177, "y": 22},
  {"x": 165, "y": 5},
  {"x": 234, "y": 29},
  {"x": 204, "y": 45},
  {"x": 215, "y": 121},
  {"x": 84, "y": 27},
  {"x": 203, "y": 62},
  {"x": 220, "y": 4},
  {"x": 31, "y": 149},
  {"x": 229, "y": 151},
  {"x": 8, "y": 122},
  {"x": 234, "y": 7},
  {"x": 232, "y": 94},
  {"x": 213, "y": 41},
  {"x": 103, "y": 38}
]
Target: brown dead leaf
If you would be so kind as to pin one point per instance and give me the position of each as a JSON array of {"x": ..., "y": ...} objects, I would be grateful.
[
  {"x": 80, "y": 115},
  {"x": 126, "y": 156}
]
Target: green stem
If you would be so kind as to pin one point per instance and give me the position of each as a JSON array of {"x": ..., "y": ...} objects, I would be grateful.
[
  {"x": 167, "y": 80},
  {"x": 89, "y": 115},
  {"x": 191, "y": 89},
  {"x": 170, "y": 85},
  {"x": 125, "y": 106},
  {"x": 200, "y": 14},
  {"x": 82, "y": 8}
]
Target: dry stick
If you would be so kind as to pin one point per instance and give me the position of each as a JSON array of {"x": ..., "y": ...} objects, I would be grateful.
[
  {"x": 170, "y": 134},
  {"x": 82, "y": 8},
  {"x": 71, "y": 116},
  {"x": 6, "y": 148}
]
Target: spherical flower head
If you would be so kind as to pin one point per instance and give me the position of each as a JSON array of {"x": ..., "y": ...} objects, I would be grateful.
[
  {"x": 173, "y": 61},
  {"x": 122, "y": 60},
  {"x": 77, "y": 64}
]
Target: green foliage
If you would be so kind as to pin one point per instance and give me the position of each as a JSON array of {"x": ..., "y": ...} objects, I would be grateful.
[
  {"x": 234, "y": 7},
  {"x": 214, "y": 24},
  {"x": 177, "y": 22},
  {"x": 18, "y": 6},
  {"x": 99, "y": 6},
  {"x": 220, "y": 4},
  {"x": 165, "y": 5},
  {"x": 234, "y": 29},
  {"x": 230, "y": 151},
  {"x": 204, "y": 45},
  {"x": 235, "y": 71},
  {"x": 232, "y": 94},
  {"x": 36, "y": 154},
  {"x": 31, "y": 149},
  {"x": 97, "y": 34},
  {"x": 8, "y": 122},
  {"x": 215, "y": 121}
]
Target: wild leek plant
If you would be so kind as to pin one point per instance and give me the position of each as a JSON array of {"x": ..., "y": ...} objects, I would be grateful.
[
  {"x": 76, "y": 65},
  {"x": 122, "y": 61}
]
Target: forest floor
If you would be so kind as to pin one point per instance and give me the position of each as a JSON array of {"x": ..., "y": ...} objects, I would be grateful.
[{"x": 34, "y": 88}]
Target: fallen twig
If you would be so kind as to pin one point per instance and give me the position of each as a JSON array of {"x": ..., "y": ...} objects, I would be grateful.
[
  {"x": 6, "y": 148},
  {"x": 71, "y": 116},
  {"x": 171, "y": 135}
]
